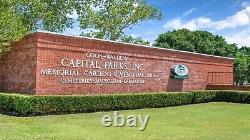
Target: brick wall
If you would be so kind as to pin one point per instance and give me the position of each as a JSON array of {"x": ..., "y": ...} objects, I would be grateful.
[
  {"x": 52, "y": 48},
  {"x": 19, "y": 67},
  {"x": 39, "y": 51},
  {"x": 220, "y": 78}
]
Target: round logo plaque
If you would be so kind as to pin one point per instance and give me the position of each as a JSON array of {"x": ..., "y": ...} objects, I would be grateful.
[{"x": 179, "y": 71}]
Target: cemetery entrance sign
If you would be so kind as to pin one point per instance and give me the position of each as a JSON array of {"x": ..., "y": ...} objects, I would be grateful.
[
  {"x": 44, "y": 63},
  {"x": 115, "y": 69}
]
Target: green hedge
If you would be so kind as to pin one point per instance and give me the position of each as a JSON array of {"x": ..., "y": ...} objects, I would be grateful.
[
  {"x": 73, "y": 104},
  {"x": 233, "y": 96},
  {"x": 16, "y": 104},
  {"x": 24, "y": 105}
]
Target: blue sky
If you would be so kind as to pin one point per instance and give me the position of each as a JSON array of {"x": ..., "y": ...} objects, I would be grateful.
[{"x": 229, "y": 18}]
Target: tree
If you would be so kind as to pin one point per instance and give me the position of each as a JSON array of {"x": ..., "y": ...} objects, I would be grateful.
[
  {"x": 248, "y": 70},
  {"x": 196, "y": 41},
  {"x": 107, "y": 19},
  {"x": 245, "y": 50},
  {"x": 11, "y": 27},
  {"x": 135, "y": 40},
  {"x": 51, "y": 15},
  {"x": 17, "y": 17},
  {"x": 241, "y": 66}
]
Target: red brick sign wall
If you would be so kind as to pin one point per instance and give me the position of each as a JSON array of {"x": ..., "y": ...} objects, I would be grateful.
[
  {"x": 19, "y": 67},
  {"x": 58, "y": 64}
]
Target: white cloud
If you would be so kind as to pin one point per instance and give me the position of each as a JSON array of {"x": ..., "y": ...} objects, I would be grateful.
[
  {"x": 188, "y": 12},
  {"x": 240, "y": 18},
  {"x": 242, "y": 38},
  {"x": 192, "y": 25}
]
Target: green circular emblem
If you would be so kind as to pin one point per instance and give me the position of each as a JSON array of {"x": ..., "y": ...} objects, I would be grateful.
[{"x": 179, "y": 71}]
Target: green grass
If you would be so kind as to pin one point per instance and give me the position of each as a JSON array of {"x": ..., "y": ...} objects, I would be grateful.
[{"x": 215, "y": 121}]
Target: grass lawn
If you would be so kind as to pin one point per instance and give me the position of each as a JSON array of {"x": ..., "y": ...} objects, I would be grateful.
[{"x": 215, "y": 121}]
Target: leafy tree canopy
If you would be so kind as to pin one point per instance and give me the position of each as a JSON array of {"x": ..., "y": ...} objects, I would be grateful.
[
  {"x": 196, "y": 41},
  {"x": 242, "y": 66},
  {"x": 242, "y": 69},
  {"x": 245, "y": 50},
  {"x": 17, "y": 17},
  {"x": 134, "y": 40},
  {"x": 107, "y": 19},
  {"x": 11, "y": 27},
  {"x": 51, "y": 15}
]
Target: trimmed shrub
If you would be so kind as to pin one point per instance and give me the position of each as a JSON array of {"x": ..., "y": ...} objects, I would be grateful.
[
  {"x": 73, "y": 104},
  {"x": 25, "y": 105},
  {"x": 15, "y": 104},
  {"x": 233, "y": 96},
  {"x": 204, "y": 96}
]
